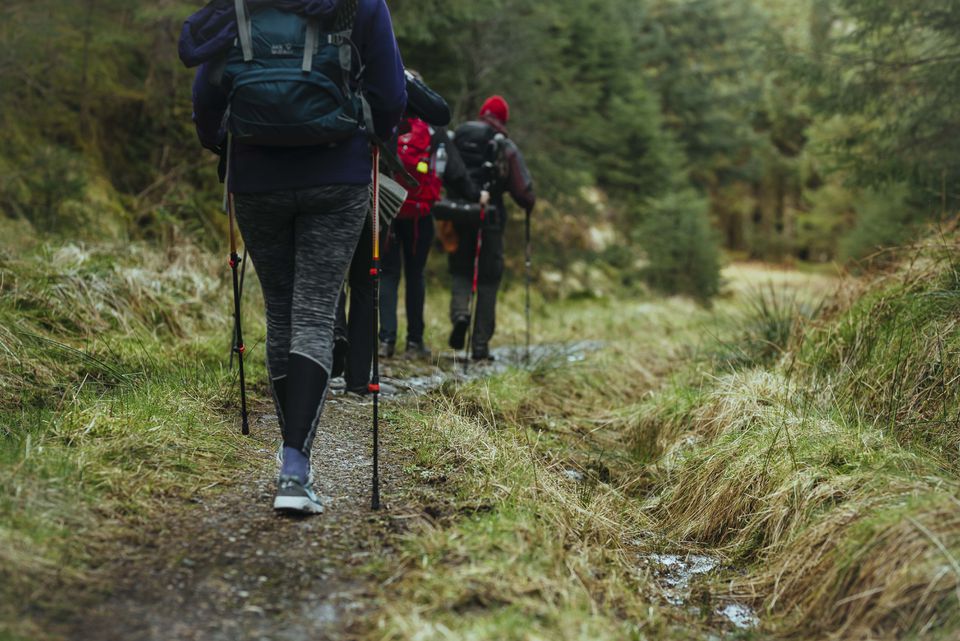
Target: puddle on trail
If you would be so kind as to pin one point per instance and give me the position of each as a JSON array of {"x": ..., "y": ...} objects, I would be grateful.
[
  {"x": 675, "y": 574},
  {"x": 407, "y": 378}
]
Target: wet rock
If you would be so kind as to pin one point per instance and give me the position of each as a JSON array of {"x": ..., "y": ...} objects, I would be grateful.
[{"x": 574, "y": 475}]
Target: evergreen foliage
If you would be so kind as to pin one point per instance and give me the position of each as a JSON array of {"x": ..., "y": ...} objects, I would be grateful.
[{"x": 811, "y": 129}]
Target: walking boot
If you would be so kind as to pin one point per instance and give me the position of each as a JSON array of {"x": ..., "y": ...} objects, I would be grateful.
[
  {"x": 341, "y": 346},
  {"x": 387, "y": 349},
  {"x": 458, "y": 337},
  {"x": 417, "y": 352},
  {"x": 481, "y": 353}
]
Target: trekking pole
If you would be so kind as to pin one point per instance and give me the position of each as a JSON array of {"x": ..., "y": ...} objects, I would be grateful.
[
  {"x": 474, "y": 291},
  {"x": 375, "y": 381},
  {"x": 239, "y": 348},
  {"x": 243, "y": 276},
  {"x": 529, "y": 269}
]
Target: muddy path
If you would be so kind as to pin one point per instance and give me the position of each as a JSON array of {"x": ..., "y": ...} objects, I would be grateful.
[{"x": 227, "y": 568}]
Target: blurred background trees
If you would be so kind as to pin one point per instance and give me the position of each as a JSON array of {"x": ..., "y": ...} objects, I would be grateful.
[{"x": 773, "y": 129}]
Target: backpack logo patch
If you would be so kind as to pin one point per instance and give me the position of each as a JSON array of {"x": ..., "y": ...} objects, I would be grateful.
[{"x": 285, "y": 49}]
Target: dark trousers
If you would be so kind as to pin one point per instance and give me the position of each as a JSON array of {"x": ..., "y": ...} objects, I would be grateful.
[
  {"x": 405, "y": 253},
  {"x": 461, "y": 265},
  {"x": 358, "y": 328}
]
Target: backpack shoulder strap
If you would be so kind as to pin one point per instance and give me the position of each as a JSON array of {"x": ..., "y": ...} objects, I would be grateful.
[
  {"x": 339, "y": 33},
  {"x": 340, "y": 29},
  {"x": 244, "y": 30},
  {"x": 310, "y": 45}
]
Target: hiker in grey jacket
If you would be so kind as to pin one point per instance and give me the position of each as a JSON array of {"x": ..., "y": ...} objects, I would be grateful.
[{"x": 512, "y": 177}]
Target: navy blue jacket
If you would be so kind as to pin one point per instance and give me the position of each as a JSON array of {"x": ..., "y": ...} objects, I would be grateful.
[{"x": 212, "y": 30}]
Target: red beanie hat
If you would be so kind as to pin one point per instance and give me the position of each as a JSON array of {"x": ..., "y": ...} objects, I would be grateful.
[{"x": 497, "y": 107}]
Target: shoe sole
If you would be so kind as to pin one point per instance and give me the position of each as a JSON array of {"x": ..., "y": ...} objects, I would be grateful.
[{"x": 296, "y": 505}]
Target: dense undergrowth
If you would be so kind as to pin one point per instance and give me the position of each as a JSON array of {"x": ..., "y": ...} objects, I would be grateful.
[
  {"x": 113, "y": 391},
  {"x": 813, "y": 447}
]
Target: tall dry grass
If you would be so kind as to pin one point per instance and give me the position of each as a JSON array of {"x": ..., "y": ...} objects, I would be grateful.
[
  {"x": 830, "y": 471},
  {"x": 114, "y": 396}
]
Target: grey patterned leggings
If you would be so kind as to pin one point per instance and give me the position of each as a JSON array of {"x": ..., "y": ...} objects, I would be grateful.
[{"x": 301, "y": 243}]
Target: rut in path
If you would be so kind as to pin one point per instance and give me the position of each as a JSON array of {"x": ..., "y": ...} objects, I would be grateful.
[{"x": 229, "y": 569}]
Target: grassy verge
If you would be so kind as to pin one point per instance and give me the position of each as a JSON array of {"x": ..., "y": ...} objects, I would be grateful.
[
  {"x": 813, "y": 449},
  {"x": 832, "y": 472},
  {"x": 553, "y": 511},
  {"x": 114, "y": 396}
]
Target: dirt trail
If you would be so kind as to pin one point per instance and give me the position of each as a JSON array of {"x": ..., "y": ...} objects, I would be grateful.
[{"x": 229, "y": 569}]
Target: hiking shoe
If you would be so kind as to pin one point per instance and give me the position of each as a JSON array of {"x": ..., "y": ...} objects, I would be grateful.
[
  {"x": 458, "y": 337},
  {"x": 482, "y": 354},
  {"x": 387, "y": 349},
  {"x": 340, "y": 348},
  {"x": 296, "y": 497},
  {"x": 417, "y": 351}
]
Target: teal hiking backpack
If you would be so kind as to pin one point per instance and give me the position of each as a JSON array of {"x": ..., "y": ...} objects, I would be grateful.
[{"x": 290, "y": 81}]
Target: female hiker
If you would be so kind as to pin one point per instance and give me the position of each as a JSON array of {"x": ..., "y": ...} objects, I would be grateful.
[{"x": 298, "y": 163}]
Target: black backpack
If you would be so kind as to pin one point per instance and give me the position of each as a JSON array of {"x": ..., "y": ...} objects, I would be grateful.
[
  {"x": 482, "y": 149},
  {"x": 290, "y": 79}
]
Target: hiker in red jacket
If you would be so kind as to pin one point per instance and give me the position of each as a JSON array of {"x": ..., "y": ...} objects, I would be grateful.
[
  {"x": 495, "y": 163},
  {"x": 422, "y": 143},
  {"x": 428, "y": 156}
]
